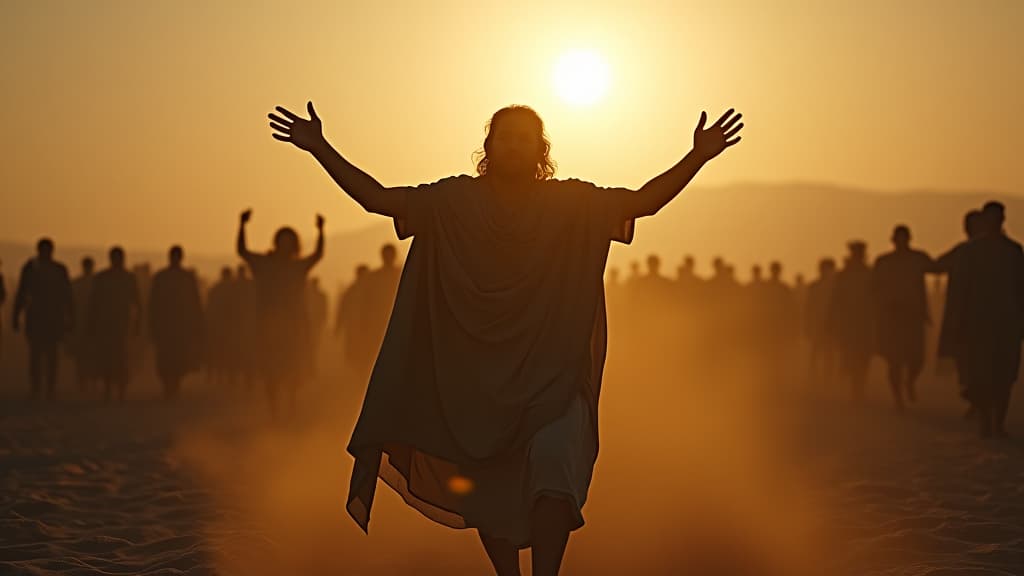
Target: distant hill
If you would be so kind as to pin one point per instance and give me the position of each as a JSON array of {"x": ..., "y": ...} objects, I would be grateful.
[
  {"x": 745, "y": 223},
  {"x": 800, "y": 223}
]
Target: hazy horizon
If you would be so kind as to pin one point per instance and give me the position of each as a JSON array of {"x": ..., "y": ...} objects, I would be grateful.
[
  {"x": 369, "y": 222},
  {"x": 120, "y": 111}
]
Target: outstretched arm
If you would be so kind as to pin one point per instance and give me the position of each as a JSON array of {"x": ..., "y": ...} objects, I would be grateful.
[
  {"x": 308, "y": 135},
  {"x": 707, "y": 144},
  {"x": 317, "y": 254},
  {"x": 241, "y": 246},
  {"x": 944, "y": 264}
]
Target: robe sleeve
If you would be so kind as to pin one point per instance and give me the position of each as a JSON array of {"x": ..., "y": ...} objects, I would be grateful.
[
  {"x": 420, "y": 206},
  {"x": 607, "y": 207}
]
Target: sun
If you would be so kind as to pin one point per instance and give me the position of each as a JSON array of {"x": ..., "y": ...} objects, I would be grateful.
[{"x": 581, "y": 77}]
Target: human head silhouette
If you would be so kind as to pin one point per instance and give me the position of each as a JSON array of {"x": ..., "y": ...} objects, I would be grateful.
[
  {"x": 225, "y": 273},
  {"x": 516, "y": 146},
  {"x": 687, "y": 269},
  {"x": 994, "y": 216},
  {"x": 361, "y": 271},
  {"x": 44, "y": 249},
  {"x": 858, "y": 252},
  {"x": 826, "y": 267},
  {"x": 634, "y": 268},
  {"x": 286, "y": 242},
  {"x": 175, "y": 256},
  {"x": 653, "y": 265},
  {"x": 972, "y": 223},
  {"x": 388, "y": 255},
  {"x": 755, "y": 273},
  {"x": 88, "y": 265},
  {"x": 117, "y": 258},
  {"x": 776, "y": 270},
  {"x": 242, "y": 272},
  {"x": 613, "y": 275},
  {"x": 901, "y": 237}
]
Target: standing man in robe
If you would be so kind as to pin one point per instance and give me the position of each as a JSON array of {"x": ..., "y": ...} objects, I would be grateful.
[
  {"x": 851, "y": 318},
  {"x": 495, "y": 348},
  {"x": 654, "y": 315},
  {"x": 987, "y": 318},
  {"x": 782, "y": 321},
  {"x": 901, "y": 308},
  {"x": 175, "y": 323},
  {"x": 359, "y": 354},
  {"x": 378, "y": 299},
  {"x": 44, "y": 297},
  {"x": 316, "y": 310},
  {"x": 114, "y": 319},
  {"x": 78, "y": 344},
  {"x": 722, "y": 321},
  {"x": 221, "y": 317},
  {"x": 280, "y": 279},
  {"x": 821, "y": 367},
  {"x": 754, "y": 324},
  {"x": 946, "y": 264},
  {"x": 245, "y": 330}
]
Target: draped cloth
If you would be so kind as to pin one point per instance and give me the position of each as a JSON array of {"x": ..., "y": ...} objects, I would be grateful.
[{"x": 498, "y": 328}]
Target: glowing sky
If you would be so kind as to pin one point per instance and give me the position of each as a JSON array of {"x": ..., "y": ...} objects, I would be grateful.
[{"x": 144, "y": 122}]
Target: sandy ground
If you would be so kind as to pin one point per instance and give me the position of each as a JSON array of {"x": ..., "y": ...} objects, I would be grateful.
[{"x": 692, "y": 479}]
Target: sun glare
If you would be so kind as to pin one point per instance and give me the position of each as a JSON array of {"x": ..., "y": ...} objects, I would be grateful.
[{"x": 581, "y": 77}]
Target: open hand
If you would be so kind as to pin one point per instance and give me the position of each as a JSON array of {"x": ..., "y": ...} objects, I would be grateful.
[
  {"x": 710, "y": 142},
  {"x": 289, "y": 127}
]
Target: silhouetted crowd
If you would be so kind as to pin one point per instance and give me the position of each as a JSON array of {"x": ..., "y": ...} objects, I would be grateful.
[
  {"x": 263, "y": 321},
  {"x": 829, "y": 330},
  {"x": 260, "y": 323}
]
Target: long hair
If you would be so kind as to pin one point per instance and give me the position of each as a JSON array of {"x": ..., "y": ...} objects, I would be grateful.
[{"x": 545, "y": 165}]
